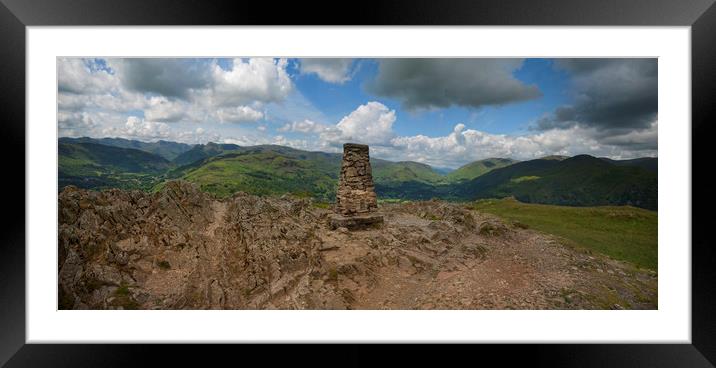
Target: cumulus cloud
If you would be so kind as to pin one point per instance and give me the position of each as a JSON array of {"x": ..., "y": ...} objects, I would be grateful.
[
  {"x": 304, "y": 126},
  {"x": 134, "y": 127},
  {"x": 613, "y": 112},
  {"x": 175, "y": 91},
  {"x": 167, "y": 77},
  {"x": 371, "y": 123},
  {"x": 610, "y": 94},
  {"x": 83, "y": 76},
  {"x": 138, "y": 128},
  {"x": 196, "y": 136},
  {"x": 254, "y": 80},
  {"x": 239, "y": 114},
  {"x": 71, "y": 120},
  {"x": 637, "y": 139},
  {"x": 466, "y": 145},
  {"x": 439, "y": 83},
  {"x": 333, "y": 70},
  {"x": 164, "y": 109}
]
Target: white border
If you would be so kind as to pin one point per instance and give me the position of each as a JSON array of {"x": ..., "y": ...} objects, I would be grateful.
[{"x": 670, "y": 323}]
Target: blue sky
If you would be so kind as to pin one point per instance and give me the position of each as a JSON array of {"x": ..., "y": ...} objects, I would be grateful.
[
  {"x": 336, "y": 100},
  {"x": 443, "y": 112}
]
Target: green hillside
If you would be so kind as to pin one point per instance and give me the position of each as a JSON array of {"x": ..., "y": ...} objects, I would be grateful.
[
  {"x": 91, "y": 165},
  {"x": 648, "y": 163},
  {"x": 278, "y": 170},
  {"x": 203, "y": 151},
  {"x": 623, "y": 233},
  {"x": 385, "y": 172},
  {"x": 577, "y": 181},
  {"x": 478, "y": 168},
  {"x": 266, "y": 170}
]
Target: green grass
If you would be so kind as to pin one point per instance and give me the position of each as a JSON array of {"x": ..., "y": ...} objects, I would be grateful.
[
  {"x": 477, "y": 168},
  {"x": 265, "y": 173},
  {"x": 621, "y": 232},
  {"x": 123, "y": 298},
  {"x": 164, "y": 265},
  {"x": 524, "y": 178}
]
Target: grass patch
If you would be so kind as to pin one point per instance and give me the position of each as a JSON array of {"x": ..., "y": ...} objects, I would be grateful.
[
  {"x": 621, "y": 232},
  {"x": 320, "y": 204},
  {"x": 523, "y": 179},
  {"x": 332, "y": 274},
  {"x": 122, "y": 298},
  {"x": 164, "y": 265},
  {"x": 122, "y": 290}
]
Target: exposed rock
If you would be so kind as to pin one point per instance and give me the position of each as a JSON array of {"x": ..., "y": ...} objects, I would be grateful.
[
  {"x": 355, "y": 222},
  {"x": 180, "y": 248}
]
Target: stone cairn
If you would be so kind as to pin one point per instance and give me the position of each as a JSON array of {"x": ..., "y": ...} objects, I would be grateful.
[{"x": 355, "y": 198}]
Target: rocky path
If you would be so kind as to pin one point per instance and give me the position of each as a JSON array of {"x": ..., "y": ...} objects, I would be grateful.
[
  {"x": 213, "y": 264},
  {"x": 522, "y": 269}
]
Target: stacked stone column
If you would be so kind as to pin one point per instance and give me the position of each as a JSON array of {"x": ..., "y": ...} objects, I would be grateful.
[
  {"x": 356, "y": 193},
  {"x": 355, "y": 198}
]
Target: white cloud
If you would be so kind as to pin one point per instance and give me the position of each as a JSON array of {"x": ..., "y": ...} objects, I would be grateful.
[
  {"x": 138, "y": 128},
  {"x": 67, "y": 120},
  {"x": 81, "y": 76},
  {"x": 240, "y": 114},
  {"x": 258, "y": 79},
  {"x": 371, "y": 123},
  {"x": 166, "y": 110},
  {"x": 466, "y": 145},
  {"x": 333, "y": 70},
  {"x": 96, "y": 101},
  {"x": 305, "y": 126},
  {"x": 196, "y": 136},
  {"x": 176, "y": 91}
]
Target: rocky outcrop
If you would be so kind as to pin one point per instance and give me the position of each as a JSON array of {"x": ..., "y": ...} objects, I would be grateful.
[{"x": 180, "y": 248}]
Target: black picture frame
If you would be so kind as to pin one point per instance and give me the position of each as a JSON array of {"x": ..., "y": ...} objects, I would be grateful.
[{"x": 16, "y": 15}]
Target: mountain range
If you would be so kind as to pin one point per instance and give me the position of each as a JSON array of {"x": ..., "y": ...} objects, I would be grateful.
[{"x": 223, "y": 169}]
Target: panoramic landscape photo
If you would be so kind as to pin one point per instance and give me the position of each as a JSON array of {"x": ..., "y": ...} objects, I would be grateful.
[{"x": 389, "y": 183}]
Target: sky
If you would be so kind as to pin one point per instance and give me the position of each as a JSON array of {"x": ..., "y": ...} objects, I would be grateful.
[{"x": 442, "y": 112}]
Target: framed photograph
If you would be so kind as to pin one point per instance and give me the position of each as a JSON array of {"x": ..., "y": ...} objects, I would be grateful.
[{"x": 458, "y": 172}]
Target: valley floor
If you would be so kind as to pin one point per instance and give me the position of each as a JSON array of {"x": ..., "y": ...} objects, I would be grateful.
[{"x": 181, "y": 249}]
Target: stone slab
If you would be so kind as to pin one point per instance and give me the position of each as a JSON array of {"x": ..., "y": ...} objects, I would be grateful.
[{"x": 355, "y": 222}]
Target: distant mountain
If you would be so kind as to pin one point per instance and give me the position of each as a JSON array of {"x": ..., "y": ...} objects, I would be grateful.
[
  {"x": 404, "y": 171},
  {"x": 165, "y": 149},
  {"x": 648, "y": 163},
  {"x": 92, "y": 165},
  {"x": 442, "y": 170},
  {"x": 224, "y": 169},
  {"x": 478, "y": 168},
  {"x": 577, "y": 181},
  {"x": 202, "y": 151}
]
